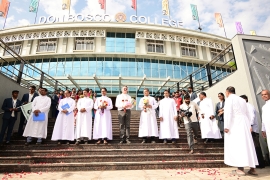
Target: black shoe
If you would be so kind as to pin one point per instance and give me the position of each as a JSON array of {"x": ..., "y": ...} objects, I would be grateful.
[
  {"x": 121, "y": 142},
  {"x": 7, "y": 143},
  {"x": 173, "y": 142},
  {"x": 128, "y": 141},
  {"x": 27, "y": 144},
  {"x": 85, "y": 142},
  {"x": 77, "y": 143}
]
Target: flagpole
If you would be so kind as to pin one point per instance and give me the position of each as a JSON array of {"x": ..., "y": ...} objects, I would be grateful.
[
  {"x": 169, "y": 10},
  {"x": 105, "y": 4},
  {"x": 37, "y": 12},
  {"x": 69, "y": 7},
  {"x": 223, "y": 26},
  {"x": 198, "y": 20},
  {"x": 6, "y": 17},
  {"x": 136, "y": 8}
]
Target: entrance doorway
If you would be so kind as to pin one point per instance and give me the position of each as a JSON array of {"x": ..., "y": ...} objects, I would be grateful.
[{"x": 113, "y": 101}]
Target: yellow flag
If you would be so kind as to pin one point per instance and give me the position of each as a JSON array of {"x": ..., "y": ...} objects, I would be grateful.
[
  {"x": 65, "y": 4},
  {"x": 165, "y": 7},
  {"x": 253, "y": 33},
  {"x": 219, "y": 20}
]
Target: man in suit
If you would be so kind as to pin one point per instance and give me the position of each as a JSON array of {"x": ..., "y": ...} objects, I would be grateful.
[
  {"x": 10, "y": 107},
  {"x": 27, "y": 98},
  {"x": 192, "y": 94},
  {"x": 55, "y": 101},
  {"x": 220, "y": 113}
]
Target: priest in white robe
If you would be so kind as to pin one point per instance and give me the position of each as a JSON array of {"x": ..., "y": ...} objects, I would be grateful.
[
  {"x": 64, "y": 125},
  {"x": 266, "y": 116},
  {"x": 239, "y": 150},
  {"x": 209, "y": 127},
  {"x": 148, "y": 121},
  {"x": 168, "y": 119},
  {"x": 38, "y": 129},
  {"x": 103, "y": 118},
  {"x": 84, "y": 119}
]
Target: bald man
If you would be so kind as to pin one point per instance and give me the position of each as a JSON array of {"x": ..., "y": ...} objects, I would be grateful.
[{"x": 266, "y": 116}]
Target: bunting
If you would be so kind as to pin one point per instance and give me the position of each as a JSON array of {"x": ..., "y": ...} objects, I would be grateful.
[
  {"x": 194, "y": 12},
  {"x": 33, "y": 6},
  {"x": 65, "y": 4},
  {"x": 102, "y": 4},
  {"x": 165, "y": 7},
  {"x": 239, "y": 28},
  {"x": 219, "y": 20},
  {"x": 134, "y": 4},
  {"x": 4, "y": 8}
]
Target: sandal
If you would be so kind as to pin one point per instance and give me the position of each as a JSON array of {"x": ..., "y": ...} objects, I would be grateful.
[
  {"x": 252, "y": 173},
  {"x": 98, "y": 142}
]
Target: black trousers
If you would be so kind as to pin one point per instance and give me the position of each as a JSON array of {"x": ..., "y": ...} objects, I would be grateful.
[
  {"x": 7, "y": 124},
  {"x": 256, "y": 140},
  {"x": 22, "y": 122}
]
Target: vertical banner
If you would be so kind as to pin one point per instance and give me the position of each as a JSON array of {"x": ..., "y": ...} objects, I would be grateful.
[
  {"x": 134, "y": 4},
  {"x": 194, "y": 12},
  {"x": 4, "y": 6},
  {"x": 219, "y": 20},
  {"x": 239, "y": 28},
  {"x": 102, "y": 4},
  {"x": 253, "y": 33},
  {"x": 33, "y": 6},
  {"x": 65, "y": 4},
  {"x": 165, "y": 7}
]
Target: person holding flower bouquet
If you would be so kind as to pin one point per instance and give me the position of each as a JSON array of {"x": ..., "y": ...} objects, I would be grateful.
[
  {"x": 103, "y": 118},
  {"x": 148, "y": 121},
  {"x": 124, "y": 104}
]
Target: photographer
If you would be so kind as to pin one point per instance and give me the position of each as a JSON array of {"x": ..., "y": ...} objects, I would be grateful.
[{"x": 188, "y": 112}]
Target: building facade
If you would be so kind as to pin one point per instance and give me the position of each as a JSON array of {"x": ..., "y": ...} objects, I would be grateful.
[{"x": 112, "y": 54}]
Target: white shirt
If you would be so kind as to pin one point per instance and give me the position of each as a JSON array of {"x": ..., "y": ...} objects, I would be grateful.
[
  {"x": 121, "y": 101},
  {"x": 193, "y": 108},
  {"x": 14, "y": 101},
  {"x": 220, "y": 104},
  {"x": 30, "y": 97}
]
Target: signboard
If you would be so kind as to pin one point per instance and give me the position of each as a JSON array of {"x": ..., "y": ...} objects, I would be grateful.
[{"x": 119, "y": 17}]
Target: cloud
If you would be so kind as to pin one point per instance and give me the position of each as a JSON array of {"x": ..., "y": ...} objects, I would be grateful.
[{"x": 18, "y": 10}]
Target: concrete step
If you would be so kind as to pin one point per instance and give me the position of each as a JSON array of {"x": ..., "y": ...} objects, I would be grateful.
[
  {"x": 101, "y": 151},
  {"x": 102, "y": 166}
]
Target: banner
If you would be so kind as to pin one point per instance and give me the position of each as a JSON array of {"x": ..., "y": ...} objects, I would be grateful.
[
  {"x": 239, "y": 28},
  {"x": 65, "y": 4},
  {"x": 4, "y": 8},
  {"x": 102, "y": 4},
  {"x": 134, "y": 4},
  {"x": 219, "y": 20},
  {"x": 33, "y": 6},
  {"x": 165, "y": 7},
  {"x": 27, "y": 110},
  {"x": 194, "y": 12},
  {"x": 252, "y": 32}
]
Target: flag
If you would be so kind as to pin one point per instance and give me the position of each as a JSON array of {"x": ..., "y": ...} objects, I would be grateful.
[
  {"x": 65, "y": 4},
  {"x": 26, "y": 110},
  {"x": 4, "y": 8},
  {"x": 102, "y": 4},
  {"x": 194, "y": 12},
  {"x": 165, "y": 7},
  {"x": 134, "y": 4},
  {"x": 219, "y": 20},
  {"x": 252, "y": 32},
  {"x": 239, "y": 28},
  {"x": 33, "y": 6}
]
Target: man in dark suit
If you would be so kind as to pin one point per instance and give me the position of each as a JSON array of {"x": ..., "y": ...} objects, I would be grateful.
[
  {"x": 10, "y": 106},
  {"x": 27, "y": 98},
  {"x": 55, "y": 101}
]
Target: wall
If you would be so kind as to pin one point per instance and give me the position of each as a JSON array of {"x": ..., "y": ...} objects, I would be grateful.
[
  {"x": 6, "y": 89},
  {"x": 245, "y": 80}
]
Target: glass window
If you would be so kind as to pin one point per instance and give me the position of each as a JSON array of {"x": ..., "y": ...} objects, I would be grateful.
[
  {"x": 47, "y": 45},
  {"x": 84, "y": 44},
  {"x": 120, "y": 42},
  {"x": 15, "y": 46},
  {"x": 188, "y": 50},
  {"x": 155, "y": 46},
  {"x": 216, "y": 52}
]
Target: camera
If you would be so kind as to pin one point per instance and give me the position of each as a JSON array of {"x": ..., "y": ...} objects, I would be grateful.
[{"x": 186, "y": 112}]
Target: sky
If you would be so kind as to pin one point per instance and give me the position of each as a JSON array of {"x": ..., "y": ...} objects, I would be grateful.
[{"x": 253, "y": 14}]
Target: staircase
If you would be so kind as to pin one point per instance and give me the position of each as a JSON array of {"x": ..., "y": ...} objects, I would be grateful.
[{"x": 52, "y": 157}]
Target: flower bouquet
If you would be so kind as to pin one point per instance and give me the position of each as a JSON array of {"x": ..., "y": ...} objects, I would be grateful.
[
  {"x": 146, "y": 103},
  {"x": 104, "y": 104}
]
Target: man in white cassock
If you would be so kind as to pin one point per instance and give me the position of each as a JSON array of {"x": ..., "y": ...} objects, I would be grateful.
[
  {"x": 38, "y": 129},
  {"x": 64, "y": 125},
  {"x": 84, "y": 119},
  {"x": 239, "y": 150},
  {"x": 168, "y": 119},
  {"x": 148, "y": 121},
  {"x": 103, "y": 118},
  {"x": 209, "y": 127},
  {"x": 266, "y": 116}
]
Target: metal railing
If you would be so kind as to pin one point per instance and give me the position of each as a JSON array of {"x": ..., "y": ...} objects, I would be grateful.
[
  {"x": 13, "y": 67},
  {"x": 206, "y": 76}
]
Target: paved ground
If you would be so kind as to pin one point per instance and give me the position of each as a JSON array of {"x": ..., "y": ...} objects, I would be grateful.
[{"x": 181, "y": 174}]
